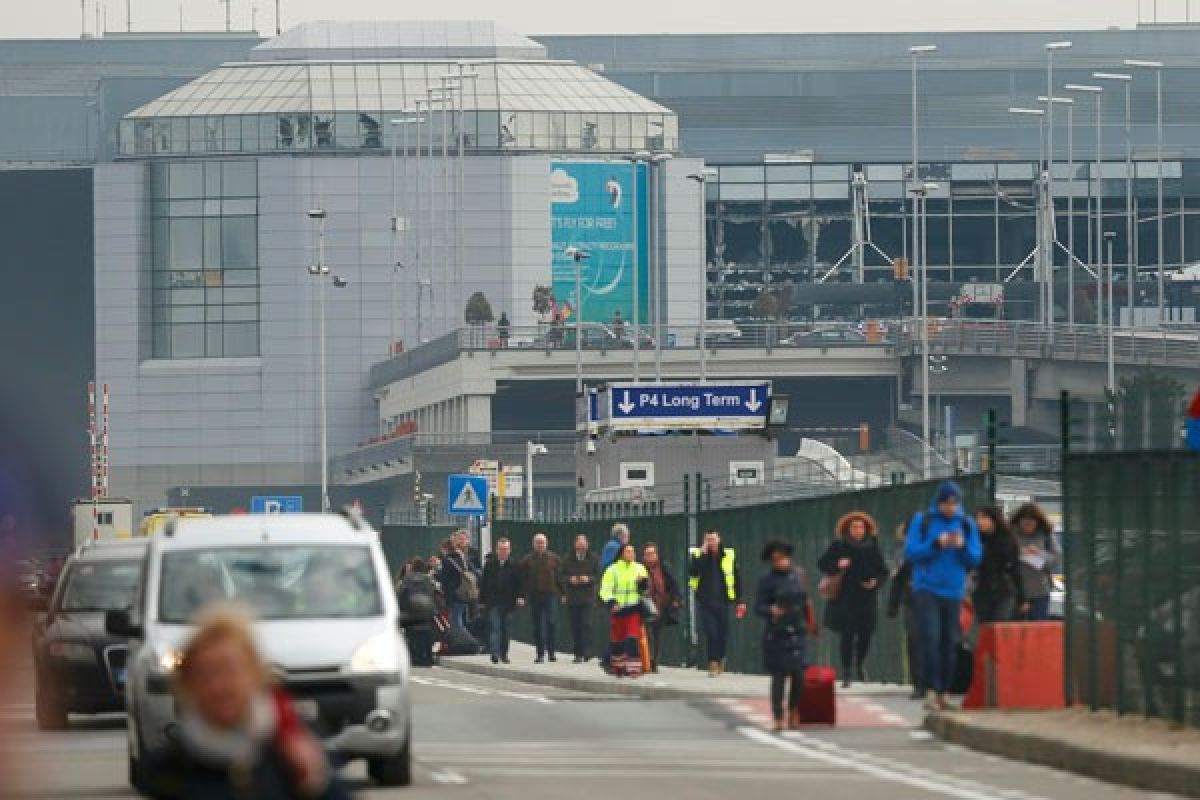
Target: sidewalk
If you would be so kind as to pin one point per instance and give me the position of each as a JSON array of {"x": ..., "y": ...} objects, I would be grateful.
[
  {"x": 1133, "y": 751},
  {"x": 667, "y": 683}
]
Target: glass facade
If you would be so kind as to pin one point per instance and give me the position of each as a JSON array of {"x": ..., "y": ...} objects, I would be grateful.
[
  {"x": 775, "y": 225},
  {"x": 204, "y": 267},
  {"x": 508, "y": 106}
]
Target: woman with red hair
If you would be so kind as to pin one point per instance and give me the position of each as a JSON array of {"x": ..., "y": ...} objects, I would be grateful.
[{"x": 855, "y": 571}]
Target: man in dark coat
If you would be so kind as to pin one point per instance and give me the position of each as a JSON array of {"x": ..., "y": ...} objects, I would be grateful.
[
  {"x": 854, "y": 558},
  {"x": 541, "y": 586},
  {"x": 579, "y": 587},
  {"x": 499, "y": 596}
]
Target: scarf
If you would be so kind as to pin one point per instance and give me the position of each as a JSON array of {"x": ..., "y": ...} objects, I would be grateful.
[{"x": 239, "y": 747}]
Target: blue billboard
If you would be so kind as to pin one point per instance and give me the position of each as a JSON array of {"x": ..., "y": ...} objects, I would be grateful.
[{"x": 592, "y": 209}]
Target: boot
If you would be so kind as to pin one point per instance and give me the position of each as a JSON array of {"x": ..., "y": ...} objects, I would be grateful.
[
  {"x": 778, "y": 726},
  {"x": 714, "y": 669},
  {"x": 932, "y": 700}
]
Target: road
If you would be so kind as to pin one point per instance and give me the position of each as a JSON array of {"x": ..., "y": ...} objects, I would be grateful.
[{"x": 486, "y": 738}]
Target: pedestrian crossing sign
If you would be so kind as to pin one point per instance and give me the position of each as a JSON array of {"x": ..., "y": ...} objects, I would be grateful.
[{"x": 467, "y": 495}]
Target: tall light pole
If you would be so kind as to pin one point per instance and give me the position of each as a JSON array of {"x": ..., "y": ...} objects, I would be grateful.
[
  {"x": 460, "y": 188},
  {"x": 1045, "y": 238},
  {"x": 658, "y": 164},
  {"x": 319, "y": 271},
  {"x": 1097, "y": 93},
  {"x": 578, "y": 256},
  {"x": 418, "y": 203},
  {"x": 1051, "y": 235},
  {"x": 1130, "y": 233},
  {"x": 1069, "y": 102},
  {"x": 531, "y": 449},
  {"x": 399, "y": 132},
  {"x": 921, "y": 310},
  {"x": 635, "y": 161},
  {"x": 1109, "y": 236},
  {"x": 451, "y": 299},
  {"x": 915, "y": 52},
  {"x": 1157, "y": 66},
  {"x": 702, "y": 177}
]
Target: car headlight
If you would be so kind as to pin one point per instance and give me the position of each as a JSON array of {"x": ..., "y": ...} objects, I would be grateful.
[
  {"x": 169, "y": 660},
  {"x": 377, "y": 654},
  {"x": 71, "y": 651}
]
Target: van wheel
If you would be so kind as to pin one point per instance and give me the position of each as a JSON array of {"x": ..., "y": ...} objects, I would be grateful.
[
  {"x": 393, "y": 771},
  {"x": 49, "y": 711}
]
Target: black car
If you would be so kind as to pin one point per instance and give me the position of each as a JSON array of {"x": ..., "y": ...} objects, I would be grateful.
[{"x": 79, "y": 667}]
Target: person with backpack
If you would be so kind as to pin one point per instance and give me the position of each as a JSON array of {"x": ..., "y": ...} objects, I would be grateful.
[
  {"x": 541, "y": 587},
  {"x": 416, "y": 595},
  {"x": 782, "y": 601},
  {"x": 943, "y": 545},
  {"x": 460, "y": 582},
  {"x": 1039, "y": 559},
  {"x": 499, "y": 596},
  {"x": 854, "y": 565},
  {"x": 998, "y": 592}
]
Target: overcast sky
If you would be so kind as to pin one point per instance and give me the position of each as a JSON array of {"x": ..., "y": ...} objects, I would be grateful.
[{"x": 61, "y": 18}]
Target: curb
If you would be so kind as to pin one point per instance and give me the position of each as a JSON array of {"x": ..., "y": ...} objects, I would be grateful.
[
  {"x": 642, "y": 687},
  {"x": 1136, "y": 771}
]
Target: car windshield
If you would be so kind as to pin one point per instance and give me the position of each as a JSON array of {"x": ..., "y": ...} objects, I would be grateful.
[
  {"x": 101, "y": 586},
  {"x": 274, "y": 582}
]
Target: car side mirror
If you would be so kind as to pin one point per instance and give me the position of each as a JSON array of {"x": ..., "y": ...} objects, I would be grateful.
[{"x": 120, "y": 623}]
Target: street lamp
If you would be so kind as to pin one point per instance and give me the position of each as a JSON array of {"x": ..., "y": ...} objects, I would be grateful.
[
  {"x": 1069, "y": 102},
  {"x": 701, "y": 178},
  {"x": 319, "y": 271},
  {"x": 914, "y": 53},
  {"x": 1051, "y": 48},
  {"x": 1097, "y": 93},
  {"x": 1045, "y": 236},
  {"x": 578, "y": 256},
  {"x": 657, "y": 165},
  {"x": 921, "y": 308},
  {"x": 460, "y": 188},
  {"x": 399, "y": 129},
  {"x": 1109, "y": 236},
  {"x": 635, "y": 160},
  {"x": 1129, "y": 231},
  {"x": 531, "y": 449},
  {"x": 1157, "y": 66}
]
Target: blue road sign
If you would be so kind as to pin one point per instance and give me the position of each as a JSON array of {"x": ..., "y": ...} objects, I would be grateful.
[
  {"x": 689, "y": 405},
  {"x": 467, "y": 496},
  {"x": 276, "y": 504}
]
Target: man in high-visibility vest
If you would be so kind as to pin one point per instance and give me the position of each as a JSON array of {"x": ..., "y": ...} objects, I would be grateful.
[
  {"x": 621, "y": 591},
  {"x": 717, "y": 584}
]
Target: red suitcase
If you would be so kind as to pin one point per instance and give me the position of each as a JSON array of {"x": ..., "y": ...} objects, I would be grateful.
[{"x": 818, "y": 705}]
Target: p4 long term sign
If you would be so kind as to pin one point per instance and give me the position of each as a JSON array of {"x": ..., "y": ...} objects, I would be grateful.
[{"x": 688, "y": 406}]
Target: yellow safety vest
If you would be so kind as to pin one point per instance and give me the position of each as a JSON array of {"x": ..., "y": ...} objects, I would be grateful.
[
  {"x": 620, "y": 583},
  {"x": 727, "y": 562}
]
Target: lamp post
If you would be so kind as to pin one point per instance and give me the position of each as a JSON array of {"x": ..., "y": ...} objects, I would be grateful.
[
  {"x": 914, "y": 53},
  {"x": 1069, "y": 102},
  {"x": 399, "y": 131},
  {"x": 1043, "y": 255},
  {"x": 1052, "y": 219},
  {"x": 921, "y": 310},
  {"x": 578, "y": 256},
  {"x": 531, "y": 449},
  {"x": 1157, "y": 66},
  {"x": 1109, "y": 236},
  {"x": 1097, "y": 93},
  {"x": 658, "y": 164},
  {"x": 418, "y": 203},
  {"x": 319, "y": 271},
  {"x": 635, "y": 160},
  {"x": 1129, "y": 225},
  {"x": 702, "y": 177},
  {"x": 460, "y": 187}
]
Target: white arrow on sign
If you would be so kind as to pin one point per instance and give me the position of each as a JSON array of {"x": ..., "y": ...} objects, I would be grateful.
[
  {"x": 626, "y": 405},
  {"x": 754, "y": 404}
]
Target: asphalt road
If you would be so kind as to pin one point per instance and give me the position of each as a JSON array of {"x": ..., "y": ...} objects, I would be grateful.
[{"x": 485, "y": 738}]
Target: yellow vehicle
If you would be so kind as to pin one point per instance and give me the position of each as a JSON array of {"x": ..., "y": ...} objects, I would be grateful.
[{"x": 153, "y": 521}]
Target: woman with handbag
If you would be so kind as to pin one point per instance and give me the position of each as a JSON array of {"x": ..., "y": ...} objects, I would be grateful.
[
  {"x": 782, "y": 601},
  {"x": 663, "y": 593},
  {"x": 854, "y": 572},
  {"x": 621, "y": 591}
]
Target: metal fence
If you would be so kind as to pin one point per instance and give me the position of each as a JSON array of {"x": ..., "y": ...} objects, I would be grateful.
[
  {"x": 1132, "y": 610},
  {"x": 805, "y": 522}
]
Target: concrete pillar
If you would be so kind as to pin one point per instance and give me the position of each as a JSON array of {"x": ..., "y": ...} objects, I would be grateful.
[
  {"x": 1019, "y": 381},
  {"x": 479, "y": 413}
]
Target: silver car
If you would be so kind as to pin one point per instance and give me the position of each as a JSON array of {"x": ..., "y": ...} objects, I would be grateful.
[{"x": 328, "y": 625}]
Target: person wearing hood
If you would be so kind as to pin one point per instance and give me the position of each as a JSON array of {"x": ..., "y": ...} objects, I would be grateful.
[
  {"x": 240, "y": 737},
  {"x": 1039, "y": 560},
  {"x": 998, "y": 592},
  {"x": 854, "y": 560},
  {"x": 943, "y": 545}
]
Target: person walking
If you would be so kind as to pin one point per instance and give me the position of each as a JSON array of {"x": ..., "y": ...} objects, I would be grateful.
[
  {"x": 1039, "y": 559},
  {"x": 663, "y": 591},
  {"x": 621, "y": 591},
  {"x": 900, "y": 597},
  {"x": 998, "y": 590},
  {"x": 618, "y": 537},
  {"x": 782, "y": 601},
  {"x": 499, "y": 596},
  {"x": 458, "y": 582},
  {"x": 714, "y": 578},
  {"x": 943, "y": 545},
  {"x": 579, "y": 587},
  {"x": 541, "y": 588},
  {"x": 854, "y": 562}
]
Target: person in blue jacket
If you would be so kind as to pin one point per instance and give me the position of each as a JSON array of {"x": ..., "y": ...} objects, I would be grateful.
[
  {"x": 618, "y": 538},
  {"x": 943, "y": 546}
]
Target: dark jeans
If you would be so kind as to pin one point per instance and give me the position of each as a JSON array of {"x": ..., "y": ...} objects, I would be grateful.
[
  {"x": 544, "y": 608},
  {"x": 912, "y": 647},
  {"x": 715, "y": 622},
  {"x": 581, "y": 628},
  {"x": 1039, "y": 610},
  {"x": 654, "y": 631},
  {"x": 937, "y": 621},
  {"x": 854, "y": 646},
  {"x": 778, "y": 679},
  {"x": 498, "y": 631},
  {"x": 993, "y": 607},
  {"x": 458, "y": 614},
  {"x": 420, "y": 645}
]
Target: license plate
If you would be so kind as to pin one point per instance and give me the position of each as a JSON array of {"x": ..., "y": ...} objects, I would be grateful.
[{"x": 307, "y": 709}]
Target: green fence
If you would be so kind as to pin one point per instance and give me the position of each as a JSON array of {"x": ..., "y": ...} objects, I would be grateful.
[
  {"x": 1133, "y": 582},
  {"x": 806, "y": 522}
]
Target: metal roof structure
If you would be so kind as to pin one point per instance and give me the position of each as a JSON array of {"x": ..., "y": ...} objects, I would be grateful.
[{"x": 397, "y": 39}]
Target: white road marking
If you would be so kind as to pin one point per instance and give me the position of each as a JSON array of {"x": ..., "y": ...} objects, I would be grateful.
[
  {"x": 440, "y": 683},
  {"x": 741, "y": 708},
  {"x": 875, "y": 707},
  {"x": 895, "y": 719},
  {"x": 448, "y": 776},
  {"x": 728, "y": 701},
  {"x": 919, "y": 735},
  {"x": 875, "y": 766}
]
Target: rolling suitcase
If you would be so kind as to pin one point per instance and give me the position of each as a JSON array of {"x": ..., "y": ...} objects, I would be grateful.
[{"x": 818, "y": 706}]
